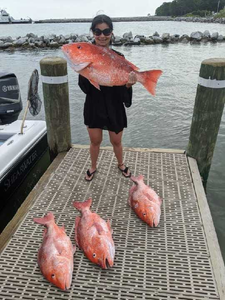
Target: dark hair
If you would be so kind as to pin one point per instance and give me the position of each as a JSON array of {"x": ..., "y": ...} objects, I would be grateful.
[{"x": 101, "y": 19}]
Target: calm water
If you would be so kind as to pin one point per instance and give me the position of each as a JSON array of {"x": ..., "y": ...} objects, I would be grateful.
[{"x": 160, "y": 122}]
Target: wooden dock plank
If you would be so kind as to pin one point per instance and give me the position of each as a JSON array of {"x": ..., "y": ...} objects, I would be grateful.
[{"x": 214, "y": 249}]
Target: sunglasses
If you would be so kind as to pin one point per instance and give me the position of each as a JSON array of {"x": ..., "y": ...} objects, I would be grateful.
[{"x": 98, "y": 31}]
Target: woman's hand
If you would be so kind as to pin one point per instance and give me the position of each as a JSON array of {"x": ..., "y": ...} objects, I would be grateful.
[{"x": 132, "y": 79}]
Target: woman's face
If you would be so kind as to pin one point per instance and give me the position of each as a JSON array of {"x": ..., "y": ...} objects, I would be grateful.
[{"x": 102, "y": 38}]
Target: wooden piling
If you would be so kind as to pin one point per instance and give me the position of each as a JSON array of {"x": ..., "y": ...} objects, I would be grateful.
[
  {"x": 56, "y": 101},
  {"x": 208, "y": 110}
]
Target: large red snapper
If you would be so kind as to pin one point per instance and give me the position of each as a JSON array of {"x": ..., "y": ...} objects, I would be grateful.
[
  {"x": 55, "y": 256},
  {"x": 94, "y": 236},
  {"x": 103, "y": 66},
  {"x": 145, "y": 202}
]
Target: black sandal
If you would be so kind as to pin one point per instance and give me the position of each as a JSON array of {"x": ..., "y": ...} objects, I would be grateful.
[
  {"x": 89, "y": 174},
  {"x": 124, "y": 171}
]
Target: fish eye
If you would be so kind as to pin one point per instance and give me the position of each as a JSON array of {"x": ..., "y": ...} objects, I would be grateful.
[
  {"x": 94, "y": 255},
  {"x": 144, "y": 214},
  {"x": 78, "y": 47},
  {"x": 53, "y": 275}
]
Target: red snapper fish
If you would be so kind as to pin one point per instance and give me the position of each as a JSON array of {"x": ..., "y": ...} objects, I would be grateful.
[
  {"x": 94, "y": 236},
  {"x": 145, "y": 202},
  {"x": 55, "y": 256},
  {"x": 103, "y": 66}
]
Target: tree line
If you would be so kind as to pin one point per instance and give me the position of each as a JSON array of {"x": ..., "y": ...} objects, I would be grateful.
[{"x": 182, "y": 7}]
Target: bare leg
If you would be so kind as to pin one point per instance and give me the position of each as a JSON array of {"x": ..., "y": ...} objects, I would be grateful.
[
  {"x": 116, "y": 141},
  {"x": 95, "y": 135}
]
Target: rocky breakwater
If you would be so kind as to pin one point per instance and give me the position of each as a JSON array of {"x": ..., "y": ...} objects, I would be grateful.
[
  {"x": 200, "y": 20},
  {"x": 32, "y": 41}
]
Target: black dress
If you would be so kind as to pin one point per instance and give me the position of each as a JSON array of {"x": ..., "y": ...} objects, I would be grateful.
[{"x": 105, "y": 109}]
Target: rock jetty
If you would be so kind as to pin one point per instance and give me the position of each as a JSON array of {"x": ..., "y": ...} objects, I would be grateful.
[
  {"x": 115, "y": 19},
  {"x": 211, "y": 19},
  {"x": 32, "y": 41},
  {"x": 200, "y": 20}
]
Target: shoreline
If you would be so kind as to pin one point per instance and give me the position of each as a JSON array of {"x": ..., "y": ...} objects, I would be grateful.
[
  {"x": 137, "y": 19},
  {"x": 115, "y": 19}
]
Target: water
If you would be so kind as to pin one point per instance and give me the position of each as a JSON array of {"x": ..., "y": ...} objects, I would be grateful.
[
  {"x": 160, "y": 122},
  {"x": 146, "y": 28}
]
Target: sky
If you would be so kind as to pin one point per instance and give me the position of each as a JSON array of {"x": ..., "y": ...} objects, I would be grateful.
[{"x": 60, "y": 9}]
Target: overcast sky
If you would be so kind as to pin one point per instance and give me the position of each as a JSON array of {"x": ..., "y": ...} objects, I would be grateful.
[{"x": 47, "y": 9}]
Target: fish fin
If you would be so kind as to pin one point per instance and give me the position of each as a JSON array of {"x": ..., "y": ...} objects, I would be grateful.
[
  {"x": 135, "y": 68},
  {"x": 81, "y": 205},
  {"x": 131, "y": 191},
  {"x": 109, "y": 226},
  {"x": 141, "y": 177},
  {"x": 45, "y": 231},
  {"x": 79, "y": 67},
  {"x": 160, "y": 201},
  {"x": 149, "y": 79},
  {"x": 98, "y": 227},
  {"x": 129, "y": 200},
  {"x": 77, "y": 220},
  {"x": 74, "y": 249},
  {"x": 45, "y": 220},
  {"x": 95, "y": 84},
  {"x": 153, "y": 196}
]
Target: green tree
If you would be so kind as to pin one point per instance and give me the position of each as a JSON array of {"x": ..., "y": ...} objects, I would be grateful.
[
  {"x": 182, "y": 7},
  {"x": 164, "y": 9}
]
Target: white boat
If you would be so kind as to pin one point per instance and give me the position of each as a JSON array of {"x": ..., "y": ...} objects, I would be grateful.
[
  {"x": 5, "y": 18},
  {"x": 19, "y": 153}
]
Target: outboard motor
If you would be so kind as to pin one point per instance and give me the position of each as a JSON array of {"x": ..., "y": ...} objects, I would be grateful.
[{"x": 10, "y": 99}]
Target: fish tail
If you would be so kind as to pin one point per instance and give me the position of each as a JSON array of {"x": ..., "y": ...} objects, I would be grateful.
[
  {"x": 135, "y": 178},
  {"x": 45, "y": 220},
  {"x": 82, "y": 205},
  {"x": 149, "y": 79}
]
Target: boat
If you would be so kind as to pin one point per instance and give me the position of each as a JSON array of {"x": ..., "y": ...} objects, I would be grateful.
[
  {"x": 19, "y": 153},
  {"x": 5, "y": 18},
  {"x": 23, "y": 145}
]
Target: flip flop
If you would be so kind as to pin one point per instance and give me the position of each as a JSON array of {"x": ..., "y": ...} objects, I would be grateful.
[
  {"x": 124, "y": 171},
  {"x": 89, "y": 174}
]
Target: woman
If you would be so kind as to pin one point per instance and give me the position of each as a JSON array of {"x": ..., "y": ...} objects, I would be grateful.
[{"x": 104, "y": 109}]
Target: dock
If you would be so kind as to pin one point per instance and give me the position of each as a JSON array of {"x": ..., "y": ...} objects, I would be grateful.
[{"x": 180, "y": 259}]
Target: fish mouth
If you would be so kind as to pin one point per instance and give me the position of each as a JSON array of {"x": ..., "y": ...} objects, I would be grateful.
[
  {"x": 108, "y": 263},
  {"x": 105, "y": 263},
  {"x": 67, "y": 282}
]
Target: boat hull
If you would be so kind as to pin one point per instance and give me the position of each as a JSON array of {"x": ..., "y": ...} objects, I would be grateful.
[{"x": 18, "y": 168}]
